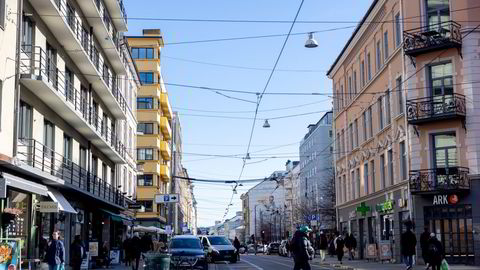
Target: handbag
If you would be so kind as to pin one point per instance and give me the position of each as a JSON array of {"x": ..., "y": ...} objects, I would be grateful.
[{"x": 444, "y": 265}]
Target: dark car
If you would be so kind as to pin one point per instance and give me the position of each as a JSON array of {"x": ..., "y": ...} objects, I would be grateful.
[
  {"x": 219, "y": 249},
  {"x": 187, "y": 251},
  {"x": 272, "y": 248}
]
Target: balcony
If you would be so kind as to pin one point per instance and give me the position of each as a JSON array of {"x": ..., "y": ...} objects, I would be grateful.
[
  {"x": 165, "y": 127},
  {"x": 429, "y": 109},
  {"x": 165, "y": 105},
  {"x": 101, "y": 22},
  {"x": 117, "y": 11},
  {"x": 46, "y": 162},
  {"x": 440, "y": 180},
  {"x": 165, "y": 150},
  {"x": 75, "y": 39},
  {"x": 45, "y": 81},
  {"x": 149, "y": 90},
  {"x": 148, "y": 141},
  {"x": 431, "y": 38},
  {"x": 164, "y": 172}
]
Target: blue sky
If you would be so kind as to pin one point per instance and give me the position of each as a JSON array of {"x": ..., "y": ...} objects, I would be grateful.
[{"x": 216, "y": 136}]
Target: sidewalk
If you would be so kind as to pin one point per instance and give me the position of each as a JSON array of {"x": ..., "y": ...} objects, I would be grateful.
[{"x": 364, "y": 265}]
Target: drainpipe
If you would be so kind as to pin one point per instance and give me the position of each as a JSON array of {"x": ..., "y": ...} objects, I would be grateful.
[{"x": 17, "y": 76}]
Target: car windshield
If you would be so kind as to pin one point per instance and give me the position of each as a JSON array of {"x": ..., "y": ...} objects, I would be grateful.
[
  {"x": 274, "y": 245},
  {"x": 186, "y": 243},
  {"x": 219, "y": 241}
]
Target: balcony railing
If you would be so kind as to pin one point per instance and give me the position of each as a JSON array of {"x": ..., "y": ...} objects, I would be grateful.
[
  {"x": 35, "y": 62},
  {"x": 83, "y": 35},
  {"x": 39, "y": 156},
  {"x": 427, "y": 109},
  {"x": 440, "y": 180},
  {"x": 432, "y": 37}
]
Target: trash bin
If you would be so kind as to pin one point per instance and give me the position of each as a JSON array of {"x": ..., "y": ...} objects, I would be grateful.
[{"x": 156, "y": 261}]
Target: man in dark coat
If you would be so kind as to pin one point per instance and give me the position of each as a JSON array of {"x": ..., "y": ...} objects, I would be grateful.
[
  {"x": 135, "y": 250},
  {"x": 301, "y": 249},
  {"x": 435, "y": 252},
  {"x": 339, "y": 245},
  {"x": 424, "y": 237},
  {"x": 236, "y": 244},
  {"x": 323, "y": 246},
  {"x": 77, "y": 253},
  {"x": 408, "y": 241},
  {"x": 351, "y": 244}
]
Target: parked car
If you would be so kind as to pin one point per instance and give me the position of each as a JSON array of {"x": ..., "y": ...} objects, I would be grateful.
[
  {"x": 219, "y": 249},
  {"x": 282, "y": 249},
  {"x": 251, "y": 248},
  {"x": 187, "y": 251},
  {"x": 242, "y": 250},
  {"x": 272, "y": 248}
]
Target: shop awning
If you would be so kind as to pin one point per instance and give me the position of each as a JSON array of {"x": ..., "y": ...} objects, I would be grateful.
[
  {"x": 151, "y": 229},
  {"x": 116, "y": 217},
  {"x": 24, "y": 184},
  {"x": 63, "y": 204}
]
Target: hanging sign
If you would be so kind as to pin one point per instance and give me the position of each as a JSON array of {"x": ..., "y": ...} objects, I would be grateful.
[
  {"x": 363, "y": 208},
  {"x": 385, "y": 207}
]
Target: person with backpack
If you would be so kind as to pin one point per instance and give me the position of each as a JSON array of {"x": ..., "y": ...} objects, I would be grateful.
[
  {"x": 408, "y": 241},
  {"x": 301, "y": 248},
  {"x": 339, "y": 245},
  {"x": 435, "y": 252},
  {"x": 56, "y": 253},
  {"x": 77, "y": 253}
]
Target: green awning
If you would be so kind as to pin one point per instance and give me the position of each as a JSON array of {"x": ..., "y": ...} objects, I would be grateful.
[{"x": 116, "y": 217}]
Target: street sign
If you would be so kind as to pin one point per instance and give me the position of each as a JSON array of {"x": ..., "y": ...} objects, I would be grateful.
[
  {"x": 138, "y": 207},
  {"x": 313, "y": 223},
  {"x": 168, "y": 229},
  {"x": 166, "y": 198},
  {"x": 312, "y": 217}
]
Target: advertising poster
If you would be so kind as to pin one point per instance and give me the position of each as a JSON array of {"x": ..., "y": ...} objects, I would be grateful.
[
  {"x": 385, "y": 250},
  {"x": 93, "y": 249},
  {"x": 371, "y": 251},
  {"x": 115, "y": 256},
  {"x": 9, "y": 255}
]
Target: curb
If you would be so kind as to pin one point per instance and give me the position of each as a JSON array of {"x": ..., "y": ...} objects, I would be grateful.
[{"x": 336, "y": 266}]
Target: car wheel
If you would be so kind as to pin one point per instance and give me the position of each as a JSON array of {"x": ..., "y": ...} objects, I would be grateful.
[{"x": 234, "y": 260}]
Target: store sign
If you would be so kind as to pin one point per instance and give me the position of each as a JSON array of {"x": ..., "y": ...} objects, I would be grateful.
[
  {"x": 49, "y": 207},
  {"x": 445, "y": 199},
  {"x": 385, "y": 207},
  {"x": 363, "y": 208}
]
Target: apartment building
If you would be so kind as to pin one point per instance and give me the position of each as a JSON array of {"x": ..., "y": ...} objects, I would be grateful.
[
  {"x": 291, "y": 199},
  {"x": 370, "y": 146},
  {"x": 68, "y": 123},
  {"x": 154, "y": 115}
]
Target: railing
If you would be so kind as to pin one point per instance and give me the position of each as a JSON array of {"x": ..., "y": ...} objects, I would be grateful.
[
  {"x": 433, "y": 36},
  {"x": 83, "y": 36},
  {"x": 435, "y": 108},
  {"x": 36, "y": 62},
  {"x": 39, "y": 156},
  {"x": 439, "y": 180},
  {"x": 122, "y": 9}
]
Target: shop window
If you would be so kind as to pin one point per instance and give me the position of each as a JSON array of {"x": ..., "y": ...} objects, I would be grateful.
[{"x": 15, "y": 218}]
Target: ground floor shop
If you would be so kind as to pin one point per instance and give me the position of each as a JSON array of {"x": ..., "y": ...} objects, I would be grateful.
[{"x": 377, "y": 223}]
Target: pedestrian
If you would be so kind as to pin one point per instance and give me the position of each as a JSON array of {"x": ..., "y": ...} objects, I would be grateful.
[
  {"x": 408, "y": 241},
  {"x": 147, "y": 243},
  {"x": 135, "y": 245},
  {"x": 127, "y": 250},
  {"x": 236, "y": 244},
  {"x": 77, "y": 253},
  {"x": 56, "y": 253},
  {"x": 351, "y": 244},
  {"x": 323, "y": 246},
  {"x": 287, "y": 247},
  {"x": 331, "y": 245},
  {"x": 339, "y": 245},
  {"x": 301, "y": 248},
  {"x": 424, "y": 237},
  {"x": 435, "y": 252},
  {"x": 105, "y": 255}
]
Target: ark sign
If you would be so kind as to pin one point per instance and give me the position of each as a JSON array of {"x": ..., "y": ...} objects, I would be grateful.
[{"x": 445, "y": 199}]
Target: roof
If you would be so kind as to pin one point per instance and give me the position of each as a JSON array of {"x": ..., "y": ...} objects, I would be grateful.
[
  {"x": 185, "y": 236},
  {"x": 353, "y": 35}
]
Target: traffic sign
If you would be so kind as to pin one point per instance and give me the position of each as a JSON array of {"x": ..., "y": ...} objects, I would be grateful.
[
  {"x": 166, "y": 198},
  {"x": 168, "y": 229}
]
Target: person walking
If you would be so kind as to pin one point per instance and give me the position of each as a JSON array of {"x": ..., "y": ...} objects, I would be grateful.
[
  {"x": 56, "y": 253},
  {"x": 408, "y": 241},
  {"x": 424, "y": 237},
  {"x": 323, "y": 246},
  {"x": 105, "y": 255},
  {"x": 331, "y": 245},
  {"x": 77, "y": 253},
  {"x": 135, "y": 245},
  {"x": 301, "y": 249},
  {"x": 127, "y": 251},
  {"x": 236, "y": 244},
  {"x": 339, "y": 245},
  {"x": 351, "y": 244},
  {"x": 435, "y": 252}
]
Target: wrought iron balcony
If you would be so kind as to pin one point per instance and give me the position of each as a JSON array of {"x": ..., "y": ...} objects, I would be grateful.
[
  {"x": 432, "y": 37},
  {"x": 440, "y": 180},
  {"x": 44, "y": 159},
  {"x": 428, "y": 109}
]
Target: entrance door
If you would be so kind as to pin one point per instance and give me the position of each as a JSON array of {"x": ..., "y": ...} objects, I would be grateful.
[
  {"x": 452, "y": 225},
  {"x": 361, "y": 237}
]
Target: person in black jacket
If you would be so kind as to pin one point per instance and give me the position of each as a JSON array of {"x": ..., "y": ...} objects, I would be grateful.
[
  {"x": 236, "y": 244},
  {"x": 424, "y": 237},
  {"x": 78, "y": 253},
  {"x": 135, "y": 250},
  {"x": 435, "y": 252},
  {"x": 408, "y": 241},
  {"x": 323, "y": 245},
  {"x": 351, "y": 244},
  {"x": 339, "y": 244},
  {"x": 56, "y": 252},
  {"x": 127, "y": 250},
  {"x": 301, "y": 249}
]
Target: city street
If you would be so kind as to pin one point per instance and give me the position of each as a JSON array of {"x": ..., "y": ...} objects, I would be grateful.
[{"x": 261, "y": 261}]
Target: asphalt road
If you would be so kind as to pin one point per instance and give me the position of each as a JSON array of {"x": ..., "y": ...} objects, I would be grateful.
[{"x": 260, "y": 262}]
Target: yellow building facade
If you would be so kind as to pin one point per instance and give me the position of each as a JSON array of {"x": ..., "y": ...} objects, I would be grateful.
[{"x": 154, "y": 115}]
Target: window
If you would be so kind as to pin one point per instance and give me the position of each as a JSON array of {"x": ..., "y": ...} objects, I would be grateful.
[
  {"x": 142, "y": 53},
  {"x": 330, "y": 133},
  {"x": 49, "y": 136},
  {"x": 342, "y": 143},
  {"x": 365, "y": 178},
  {"x": 403, "y": 160},
  {"x": 350, "y": 129},
  {"x": 382, "y": 171},
  {"x": 350, "y": 93},
  {"x": 352, "y": 185},
  {"x": 362, "y": 73},
  {"x": 438, "y": 12},
  {"x": 145, "y": 128},
  {"x": 344, "y": 97},
  {"x": 147, "y": 204},
  {"x": 441, "y": 80},
  {"x": 145, "y": 154},
  {"x": 445, "y": 155},
  {"x": 67, "y": 147},
  {"x": 357, "y": 193},
  {"x": 145, "y": 103},
  {"x": 104, "y": 172},
  {"x": 27, "y": 33},
  {"x": 2, "y": 13},
  {"x": 355, "y": 82},
  {"x": 385, "y": 45},
  {"x": 399, "y": 91},
  {"x": 146, "y": 78},
  {"x": 388, "y": 115},
  {"x": 398, "y": 30},
  {"x": 69, "y": 90},
  {"x": 380, "y": 113},
  {"x": 365, "y": 124},
  {"x": 390, "y": 166},
  {"x": 344, "y": 188},
  {"x": 379, "y": 56},
  {"x": 369, "y": 67},
  {"x": 355, "y": 133},
  {"x": 370, "y": 124},
  {"x": 372, "y": 172},
  {"x": 145, "y": 180}
]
